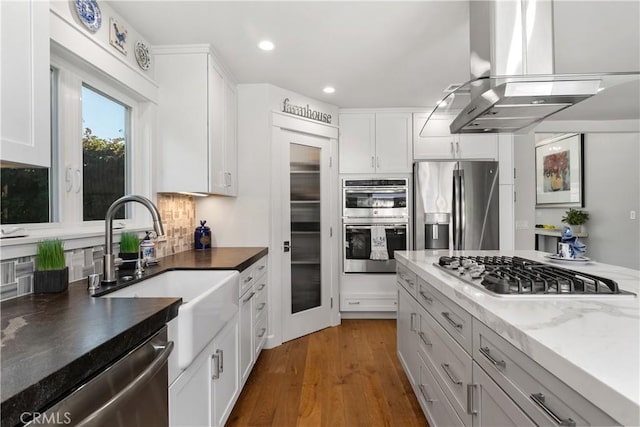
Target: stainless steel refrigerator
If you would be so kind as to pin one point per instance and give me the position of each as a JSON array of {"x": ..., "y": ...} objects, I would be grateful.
[{"x": 456, "y": 205}]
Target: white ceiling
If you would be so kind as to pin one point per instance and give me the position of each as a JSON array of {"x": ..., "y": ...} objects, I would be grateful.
[{"x": 376, "y": 54}]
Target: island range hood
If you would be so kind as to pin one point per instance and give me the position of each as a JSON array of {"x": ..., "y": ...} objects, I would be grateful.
[{"x": 513, "y": 84}]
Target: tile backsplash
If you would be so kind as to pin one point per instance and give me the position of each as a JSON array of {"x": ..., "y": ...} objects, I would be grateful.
[{"x": 178, "y": 213}]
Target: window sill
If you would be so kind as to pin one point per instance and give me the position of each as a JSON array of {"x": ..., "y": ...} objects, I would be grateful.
[{"x": 15, "y": 247}]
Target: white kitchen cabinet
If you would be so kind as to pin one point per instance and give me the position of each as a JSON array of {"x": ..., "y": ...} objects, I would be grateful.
[
  {"x": 189, "y": 395},
  {"x": 197, "y": 118},
  {"x": 437, "y": 143},
  {"x": 246, "y": 335},
  {"x": 407, "y": 336},
  {"x": 224, "y": 373},
  {"x": 25, "y": 83},
  {"x": 375, "y": 143}
]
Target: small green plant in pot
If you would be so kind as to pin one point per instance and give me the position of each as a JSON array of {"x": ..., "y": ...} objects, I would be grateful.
[
  {"x": 129, "y": 245},
  {"x": 51, "y": 275},
  {"x": 576, "y": 219}
]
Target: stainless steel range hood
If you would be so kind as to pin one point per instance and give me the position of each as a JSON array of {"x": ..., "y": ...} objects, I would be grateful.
[{"x": 513, "y": 84}]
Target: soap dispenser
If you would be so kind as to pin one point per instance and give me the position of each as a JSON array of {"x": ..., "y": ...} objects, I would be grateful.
[{"x": 202, "y": 236}]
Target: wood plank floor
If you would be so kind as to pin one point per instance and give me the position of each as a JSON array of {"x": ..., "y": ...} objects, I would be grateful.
[{"x": 348, "y": 375}]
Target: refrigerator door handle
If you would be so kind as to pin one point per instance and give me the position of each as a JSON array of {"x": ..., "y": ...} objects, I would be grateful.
[
  {"x": 463, "y": 209},
  {"x": 455, "y": 211}
]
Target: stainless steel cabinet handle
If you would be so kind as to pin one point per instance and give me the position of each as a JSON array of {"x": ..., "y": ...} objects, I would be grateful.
[
  {"x": 249, "y": 297},
  {"x": 411, "y": 327},
  {"x": 487, "y": 353},
  {"x": 378, "y": 161},
  {"x": 445, "y": 367},
  {"x": 261, "y": 268},
  {"x": 539, "y": 399},
  {"x": 261, "y": 287},
  {"x": 130, "y": 389},
  {"x": 354, "y": 302},
  {"x": 261, "y": 306},
  {"x": 262, "y": 332},
  {"x": 423, "y": 337},
  {"x": 425, "y": 395},
  {"x": 470, "y": 408},
  {"x": 453, "y": 323},
  {"x": 458, "y": 147},
  {"x": 215, "y": 366},
  {"x": 220, "y": 354},
  {"x": 373, "y": 162},
  {"x": 452, "y": 150},
  {"x": 248, "y": 279},
  {"x": 426, "y": 298}
]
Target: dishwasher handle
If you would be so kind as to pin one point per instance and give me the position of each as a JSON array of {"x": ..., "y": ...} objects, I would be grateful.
[{"x": 148, "y": 373}]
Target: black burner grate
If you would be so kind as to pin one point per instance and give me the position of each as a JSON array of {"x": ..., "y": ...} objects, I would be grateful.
[{"x": 515, "y": 275}]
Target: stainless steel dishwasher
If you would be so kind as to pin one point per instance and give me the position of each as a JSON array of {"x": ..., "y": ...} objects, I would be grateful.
[{"x": 131, "y": 392}]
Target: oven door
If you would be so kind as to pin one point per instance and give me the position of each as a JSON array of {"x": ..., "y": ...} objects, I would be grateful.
[
  {"x": 357, "y": 247},
  {"x": 375, "y": 202}
]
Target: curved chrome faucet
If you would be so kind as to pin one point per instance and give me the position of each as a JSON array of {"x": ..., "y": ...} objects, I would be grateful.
[{"x": 109, "y": 264}]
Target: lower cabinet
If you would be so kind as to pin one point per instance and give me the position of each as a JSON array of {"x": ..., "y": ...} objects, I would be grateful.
[
  {"x": 407, "y": 338},
  {"x": 205, "y": 392}
]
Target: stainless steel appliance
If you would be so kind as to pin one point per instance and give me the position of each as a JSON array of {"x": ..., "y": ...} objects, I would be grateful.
[
  {"x": 456, "y": 205},
  {"x": 132, "y": 392},
  {"x": 515, "y": 276},
  {"x": 375, "y": 198},
  {"x": 357, "y": 246}
]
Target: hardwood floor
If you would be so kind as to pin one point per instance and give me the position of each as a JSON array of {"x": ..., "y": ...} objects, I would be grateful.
[{"x": 348, "y": 375}]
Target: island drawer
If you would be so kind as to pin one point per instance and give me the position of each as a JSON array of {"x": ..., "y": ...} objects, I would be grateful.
[
  {"x": 451, "y": 366},
  {"x": 406, "y": 278},
  {"x": 261, "y": 334},
  {"x": 252, "y": 273},
  {"x": 453, "y": 319},
  {"x": 433, "y": 401},
  {"x": 543, "y": 397},
  {"x": 260, "y": 304}
]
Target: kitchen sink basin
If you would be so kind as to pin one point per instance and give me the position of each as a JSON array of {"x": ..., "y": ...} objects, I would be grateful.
[{"x": 209, "y": 301}]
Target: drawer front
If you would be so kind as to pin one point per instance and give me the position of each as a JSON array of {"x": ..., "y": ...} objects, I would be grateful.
[
  {"x": 546, "y": 399},
  {"x": 260, "y": 303},
  {"x": 252, "y": 273},
  {"x": 406, "y": 278},
  {"x": 435, "y": 405},
  {"x": 453, "y": 319},
  {"x": 451, "y": 366},
  {"x": 369, "y": 302},
  {"x": 261, "y": 334},
  {"x": 260, "y": 267}
]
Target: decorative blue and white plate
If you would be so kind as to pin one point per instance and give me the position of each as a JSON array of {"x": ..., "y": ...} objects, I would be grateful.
[
  {"x": 89, "y": 13},
  {"x": 142, "y": 55}
]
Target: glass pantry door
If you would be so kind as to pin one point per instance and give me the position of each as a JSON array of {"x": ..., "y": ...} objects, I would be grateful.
[{"x": 306, "y": 278}]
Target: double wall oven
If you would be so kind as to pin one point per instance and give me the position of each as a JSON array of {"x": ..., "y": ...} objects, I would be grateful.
[{"x": 375, "y": 219}]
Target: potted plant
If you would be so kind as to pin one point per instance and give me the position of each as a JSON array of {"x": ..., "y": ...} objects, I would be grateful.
[
  {"x": 51, "y": 275},
  {"x": 576, "y": 219},
  {"x": 129, "y": 245}
]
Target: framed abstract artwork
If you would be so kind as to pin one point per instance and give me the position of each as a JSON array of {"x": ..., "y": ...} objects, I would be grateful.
[{"x": 559, "y": 171}]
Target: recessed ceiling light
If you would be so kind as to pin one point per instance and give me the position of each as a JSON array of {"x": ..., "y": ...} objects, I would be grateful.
[
  {"x": 329, "y": 89},
  {"x": 266, "y": 45}
]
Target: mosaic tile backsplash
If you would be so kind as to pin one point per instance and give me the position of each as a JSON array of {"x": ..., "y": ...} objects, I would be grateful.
[{"x": 178, "y": 213}]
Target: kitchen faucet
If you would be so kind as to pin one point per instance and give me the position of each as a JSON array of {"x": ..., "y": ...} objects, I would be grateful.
[{"x": 109, "y": 263}]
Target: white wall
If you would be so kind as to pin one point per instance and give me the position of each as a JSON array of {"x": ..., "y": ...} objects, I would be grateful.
[{"x": 612, "y": 190}]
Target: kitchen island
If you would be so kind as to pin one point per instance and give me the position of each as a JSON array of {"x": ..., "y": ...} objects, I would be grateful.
[
  {"x": 588, "y": 342},
  {"x": 51, "y": 343}
]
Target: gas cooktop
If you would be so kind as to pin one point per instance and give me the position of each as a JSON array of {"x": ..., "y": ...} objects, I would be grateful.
[{"x": 520, "y": 276}]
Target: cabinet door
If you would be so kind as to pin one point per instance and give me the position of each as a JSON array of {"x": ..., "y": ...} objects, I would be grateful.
[
  {"x": 435, "y": 142},
  {"x": 246, "y": 334},
  {"x": 230, "y": 140},
  {"x": 357, "y": 143},
  {"x": 393, "y": 143},
  {"x": 25, "y": 83},
  {"x": 407, "y": 337},
  {"x": 189, "y": 399},
  {"x": 492, "y": 406},
  {"x": 216, "y": 154},
  {"x": 224, "y": 373},
  {"x": 477, "y": 146}
]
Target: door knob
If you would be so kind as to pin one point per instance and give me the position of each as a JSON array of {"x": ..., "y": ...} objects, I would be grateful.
[{"x": 286, "y": 246}]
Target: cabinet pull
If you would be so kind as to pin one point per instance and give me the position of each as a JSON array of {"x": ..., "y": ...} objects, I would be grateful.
[
  {"x": 261, "y": 306},
  {"x": 453, "y": 323},
  {"x": 354, "y": 303},
  {"x": 261, "y": 287},
  {"x": 373, "y": 162},
  {"x": 426, "y": 298},
  {"x": 378, "y": 162},
  {"x": 411, "y": 322},
  {"x": 262, "y": 332},
  {"x": 249, "y": 297},
  {"x": 470, "y": 408},
  {"x": 261, "y": 268},
  {"x": 447, "y": 371},
  {"x": 248, "y": 279},
  {"x": 487, "y": 353},
  {"x": 457, "y": 147},
  {"x": 425, "y": 395},
  {"x": 452, "y": 150},
  {"x": 538, "y": 399},
  {"x": 423, "y": 337},
  {"x": 216, "y": 366},
  {"x": 220, "y": 354}
]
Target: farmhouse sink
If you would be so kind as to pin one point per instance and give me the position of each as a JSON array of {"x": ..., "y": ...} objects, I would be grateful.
[{"x": 209, "y": 301}]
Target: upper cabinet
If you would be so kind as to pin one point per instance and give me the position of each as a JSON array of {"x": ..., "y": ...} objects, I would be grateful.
[
  {"x": 375, "y": 143},
  {"x": 197, "y": 122},
  {"x": 25, "y": 83},
  {"x": 438, "y": 143}
]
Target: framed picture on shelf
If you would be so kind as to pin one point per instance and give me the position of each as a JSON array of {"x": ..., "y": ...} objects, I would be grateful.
[
  {"x": 559, "y": 171},
  {"x": 118, "y": 36}
]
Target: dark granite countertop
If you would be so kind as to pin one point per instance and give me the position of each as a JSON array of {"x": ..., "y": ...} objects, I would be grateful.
[{"x": 52, "y": 343}]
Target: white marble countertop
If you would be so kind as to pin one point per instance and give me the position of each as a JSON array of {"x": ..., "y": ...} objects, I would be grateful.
[{"x": 590, "y": 343}]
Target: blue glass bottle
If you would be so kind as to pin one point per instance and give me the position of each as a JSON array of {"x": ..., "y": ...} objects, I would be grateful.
[{"x": 202, "y": 236}]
